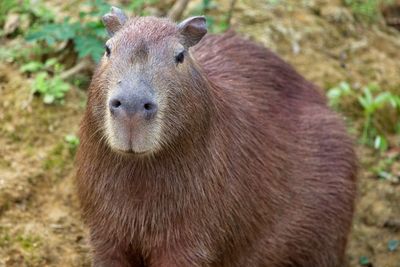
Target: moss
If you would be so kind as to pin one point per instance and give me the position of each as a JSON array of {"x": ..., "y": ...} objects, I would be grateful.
[
  {"x": 56, "y": 157},
  {"x": 28, "y": 242},
  {"x": 4, "y": 240}
]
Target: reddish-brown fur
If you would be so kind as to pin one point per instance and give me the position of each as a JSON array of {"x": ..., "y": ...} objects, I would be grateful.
[{"x": 259, "y": 172}]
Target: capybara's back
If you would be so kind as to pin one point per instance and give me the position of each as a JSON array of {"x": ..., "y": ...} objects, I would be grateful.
[{"x": 209, "y": 150}]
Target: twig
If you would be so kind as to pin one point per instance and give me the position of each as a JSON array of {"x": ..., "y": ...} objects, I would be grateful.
[
  {"x": 177, "y": 9},
  {"x": 392, "y": 224},
  {"x": 83, "y": 65},
  {"x": 230, "y": 11}
]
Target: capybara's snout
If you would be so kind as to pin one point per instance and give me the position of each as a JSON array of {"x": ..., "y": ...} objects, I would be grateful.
[{"x": 127, "y": 102}]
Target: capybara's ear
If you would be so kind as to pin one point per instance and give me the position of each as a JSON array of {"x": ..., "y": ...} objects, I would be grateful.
[
  {"x": 114, "y": 20},
  {"x": 192, "y": 30}
]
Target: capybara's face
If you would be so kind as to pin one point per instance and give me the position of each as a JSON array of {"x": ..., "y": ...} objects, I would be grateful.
[{"x": 146, "y": 74}]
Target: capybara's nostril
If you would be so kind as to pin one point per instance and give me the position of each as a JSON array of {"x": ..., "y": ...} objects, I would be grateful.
[
  {"x": 148, "y": 106},
  {"x": 114, "y": 105},
  {"x": 150, "y": 109}
]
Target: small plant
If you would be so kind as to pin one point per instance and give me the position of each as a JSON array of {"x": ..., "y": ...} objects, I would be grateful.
[
  {"x": 87, "y": 34},
  {"x": 27, "y": 242},
  {"x": 393, "y": 245},
  {"x": 35, "y": 13},
  {"x": 364, "y": 261},
  {"x": 52, "y": 88},
  {"x": 72, "y": 141},
  {"x": 335, "y": 94},
  {"x": 366, "y": 9},
  {"x": 35, "y": 66},
  {"x": 382, "y": 167},
  {"x": 373, "y": 103}
]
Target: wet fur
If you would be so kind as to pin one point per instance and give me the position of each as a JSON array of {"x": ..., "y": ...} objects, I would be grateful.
[{"x": 259, "y": 171}]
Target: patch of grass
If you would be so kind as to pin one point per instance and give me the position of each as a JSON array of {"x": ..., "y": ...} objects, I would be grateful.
[
  {"x": 366, "y": 9},
  {"x": 52, "y": 89},
  {"x": 73, "y": 141},
  {"x": 28, "y": 242},
  {"x": 382, "y": 168},
  {"x": 374, "y": 104},
  {"x": 5, "y": 239},
  {"x": 56, "y": 158},
  {"x": 371, "y": 103}
]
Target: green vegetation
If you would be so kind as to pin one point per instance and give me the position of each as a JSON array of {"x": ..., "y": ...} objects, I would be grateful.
[
  {"x": 73, "y": 141},
  {"x": 53, "y": 88},
  {"x": 364, "y": 261},
  {"x": 50, "y": 42},
  {"x": 205, "y": 7},
  {"x": 382, "y": 168},
  {"x": 393, "y": 245},
  {"x": 34, "y": 13},
  {"x": 366, "y": 9},
  {"x": 378, "y": 115},
  {"x": 87, "y": 38},
  {"x": 374, "y": 104}
]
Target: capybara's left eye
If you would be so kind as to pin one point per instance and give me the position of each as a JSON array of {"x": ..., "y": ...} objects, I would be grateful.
[
  {"x": 180, "y": 57},
  {"x": 108, "y": 50}
]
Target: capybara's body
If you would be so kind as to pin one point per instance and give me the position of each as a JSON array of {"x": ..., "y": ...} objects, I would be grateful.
[{"x": 259, "y": 171}]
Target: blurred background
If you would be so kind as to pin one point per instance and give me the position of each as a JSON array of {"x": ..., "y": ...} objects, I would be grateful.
[{"x": 49, "y": 49}]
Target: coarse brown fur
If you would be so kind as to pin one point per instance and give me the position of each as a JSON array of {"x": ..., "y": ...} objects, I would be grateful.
[{"x": 252, "y": 168}]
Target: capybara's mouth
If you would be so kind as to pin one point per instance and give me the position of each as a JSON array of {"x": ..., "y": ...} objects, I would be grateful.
[{"x": 132, "y": 152}]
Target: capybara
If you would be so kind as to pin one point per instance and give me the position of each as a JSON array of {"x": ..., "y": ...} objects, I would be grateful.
[{"x": 209, "y": 150}]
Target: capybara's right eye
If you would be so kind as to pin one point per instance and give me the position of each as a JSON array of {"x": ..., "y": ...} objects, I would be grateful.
[
  {"x": 180, "y": 57},
  {"x": 108, "y": 50}
]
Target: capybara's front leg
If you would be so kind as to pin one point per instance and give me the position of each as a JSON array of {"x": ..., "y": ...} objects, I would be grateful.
[
  {"x": 116, "y": 261},
  {"x": 109, "y": 263},
  {"x": 112, "y": 260},
  {"x": 108, "y": 254}
]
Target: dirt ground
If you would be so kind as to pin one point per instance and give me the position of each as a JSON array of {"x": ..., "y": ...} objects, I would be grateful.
[{"x": 39, "y": 216}]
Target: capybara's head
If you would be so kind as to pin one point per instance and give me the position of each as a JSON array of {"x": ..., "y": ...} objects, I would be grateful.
[{"x": 148, "y": 89}]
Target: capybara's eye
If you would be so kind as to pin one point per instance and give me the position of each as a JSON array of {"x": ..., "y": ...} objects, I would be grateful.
[
  {"x": 108, "y": 50},
  {"x": 180, "y": 57}
]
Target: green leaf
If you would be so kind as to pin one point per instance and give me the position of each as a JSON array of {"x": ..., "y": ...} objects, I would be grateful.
[
  {"x": 48, "y": 99},
  {"x": 382, "y": 98},
  {"x": 50, "y": 62},
  {"x": 385, "y": 175},
  {"x": 89, "y": 46},
  {"x": 381, "y": 143},
  {"x": 33, "y": 66},
  {"x": 53, "y": 32},
  {"x": 72, "y": 140},
  {"x": 40, "y": 85},
  {"x": 393, "y": 245},
  {"x": 364, "y": 261}
]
